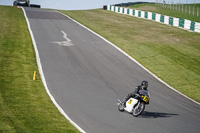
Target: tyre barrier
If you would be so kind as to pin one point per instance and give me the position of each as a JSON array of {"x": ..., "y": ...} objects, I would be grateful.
[
  {"x": 172, "y": 21},
  {"x": 36, "y": 6}
]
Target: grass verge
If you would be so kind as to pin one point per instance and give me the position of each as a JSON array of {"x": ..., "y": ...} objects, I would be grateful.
[
  {"x": 169, "y": 52},
  {"x": 166, "y": 11},
  {"x": 24, "y": 103}
]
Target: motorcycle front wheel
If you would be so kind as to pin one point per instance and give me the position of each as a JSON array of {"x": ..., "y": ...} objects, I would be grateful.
[
  {"x": 139, "y": 110},
  {"x": 121, "y": 107}
]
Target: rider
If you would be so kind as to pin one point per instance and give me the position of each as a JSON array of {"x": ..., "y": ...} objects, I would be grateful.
[{"x": 143, "y": 85}]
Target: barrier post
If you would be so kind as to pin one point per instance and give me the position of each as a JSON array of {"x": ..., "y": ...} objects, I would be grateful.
[{"x": 34, "y": 75}]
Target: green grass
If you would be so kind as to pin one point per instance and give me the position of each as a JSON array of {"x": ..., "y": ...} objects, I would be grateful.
[
  {"x": 24, "y": 103},
  {"x": 171, "y": 53},
  {"x": 166, "y": 11}
]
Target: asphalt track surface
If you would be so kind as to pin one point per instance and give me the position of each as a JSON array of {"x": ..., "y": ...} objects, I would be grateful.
[{"x": 86, "y": 75}]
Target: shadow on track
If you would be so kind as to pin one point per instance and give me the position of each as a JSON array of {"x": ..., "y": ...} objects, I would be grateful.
[{"x": 146, "y": 114}]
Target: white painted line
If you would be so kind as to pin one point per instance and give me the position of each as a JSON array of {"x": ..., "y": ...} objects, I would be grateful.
[
  {"x": 131, "y": 59},
  {"x": 65, "y": 36},
  {"x": 43, "y": 77},
  {"x": 65, "y": 43}
]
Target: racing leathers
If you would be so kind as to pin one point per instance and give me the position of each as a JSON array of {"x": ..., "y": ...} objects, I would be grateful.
[{"x": 133, "y": 93}]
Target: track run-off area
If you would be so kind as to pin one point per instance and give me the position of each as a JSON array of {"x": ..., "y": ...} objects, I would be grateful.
[{"x": 85, "y": 75}]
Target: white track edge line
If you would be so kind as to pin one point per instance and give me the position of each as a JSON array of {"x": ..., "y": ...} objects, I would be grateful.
[
  {"x": 43, "y": 77},
  {"x": 132, "y": 59}
]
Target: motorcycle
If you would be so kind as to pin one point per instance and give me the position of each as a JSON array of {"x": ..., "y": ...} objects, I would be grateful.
[{"x": 137, "y": 104}]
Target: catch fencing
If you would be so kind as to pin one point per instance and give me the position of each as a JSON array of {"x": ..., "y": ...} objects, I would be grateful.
[
  {"x": 177, "y": 22},
  {"x": 185, "y": 6}
]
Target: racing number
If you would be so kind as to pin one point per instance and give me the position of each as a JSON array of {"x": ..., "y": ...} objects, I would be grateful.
[
  {"x": 130, "y": 101},
  {"x": 146, "y": 99}
]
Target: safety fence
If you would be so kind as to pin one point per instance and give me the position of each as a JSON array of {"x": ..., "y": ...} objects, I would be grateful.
[{"x": 177, "y": 22}]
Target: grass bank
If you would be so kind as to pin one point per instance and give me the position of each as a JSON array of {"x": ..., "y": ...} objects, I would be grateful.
[
  {"x": 166, "y": 11},
  {"x": 24, "y": 103},
  {"x": 169, "y": 52}
]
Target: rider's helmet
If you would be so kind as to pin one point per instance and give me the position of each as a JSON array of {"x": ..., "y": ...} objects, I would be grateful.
[{"x": 144, "y": 84}]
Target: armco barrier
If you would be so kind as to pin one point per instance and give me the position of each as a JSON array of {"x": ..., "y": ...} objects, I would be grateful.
[{"x": 178, "y": 22}]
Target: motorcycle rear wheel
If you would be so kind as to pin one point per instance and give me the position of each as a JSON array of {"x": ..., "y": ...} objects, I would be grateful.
[{"x": 139, "y": 110}]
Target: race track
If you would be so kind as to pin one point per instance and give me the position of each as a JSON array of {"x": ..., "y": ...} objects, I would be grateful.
[{"x": 86, "y": 75}]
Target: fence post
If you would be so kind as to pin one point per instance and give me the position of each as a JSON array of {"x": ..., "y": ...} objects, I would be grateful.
[
  {"x": 182, "y": 8},
  {"x": 185, "y": 8},
  {"x": 193, "y": 10},
  {"x": 189, "y": 9}
]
